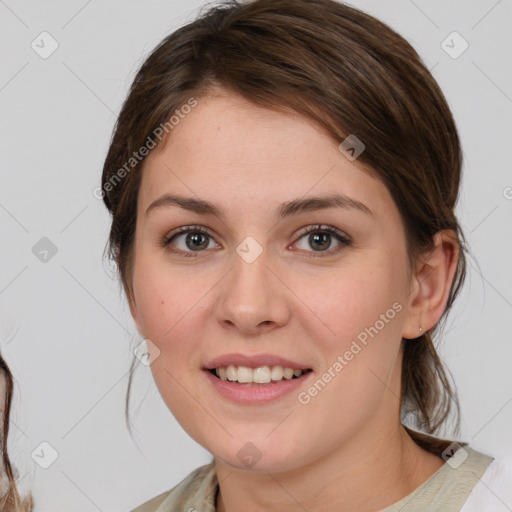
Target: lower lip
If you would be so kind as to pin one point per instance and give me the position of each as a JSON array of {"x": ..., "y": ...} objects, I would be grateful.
[{"x": 256, "y": 393}]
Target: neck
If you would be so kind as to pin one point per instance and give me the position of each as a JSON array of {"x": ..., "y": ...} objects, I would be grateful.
[{"x": 392, "y": 465}]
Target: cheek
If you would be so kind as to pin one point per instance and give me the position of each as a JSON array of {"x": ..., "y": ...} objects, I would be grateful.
[
  {"x": 164, "y": 296},
  {"x": 356, "y": 324},
  {"x": 344, "y": 304}
]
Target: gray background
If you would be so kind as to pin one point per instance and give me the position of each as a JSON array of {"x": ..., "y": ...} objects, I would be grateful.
[{"x": 65, "y": 329}]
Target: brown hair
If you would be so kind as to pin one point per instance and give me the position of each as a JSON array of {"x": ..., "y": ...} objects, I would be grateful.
[
  {"x": 350, "y": 74},
  {"x": 10, "y": 500}
]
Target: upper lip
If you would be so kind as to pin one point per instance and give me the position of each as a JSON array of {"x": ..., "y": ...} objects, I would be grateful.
[{"x": 253, "y": 361}]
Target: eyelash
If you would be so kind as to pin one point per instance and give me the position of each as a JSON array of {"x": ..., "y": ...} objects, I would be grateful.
[{"x": 340, "y": 236}]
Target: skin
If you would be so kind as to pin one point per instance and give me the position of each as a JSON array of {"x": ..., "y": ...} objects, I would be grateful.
[{"x": 324, "y": 455}]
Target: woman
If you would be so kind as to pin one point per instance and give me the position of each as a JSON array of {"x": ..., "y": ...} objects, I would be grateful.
[
  {"x": 10, "y": 500},
  {"x": 282, "y": 181}
]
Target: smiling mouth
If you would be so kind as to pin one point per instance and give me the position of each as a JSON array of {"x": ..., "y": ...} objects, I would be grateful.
[{"x": 264, "y": 376}]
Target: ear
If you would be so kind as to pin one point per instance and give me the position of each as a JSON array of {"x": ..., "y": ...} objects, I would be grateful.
[{"x": 431, "y": 283}]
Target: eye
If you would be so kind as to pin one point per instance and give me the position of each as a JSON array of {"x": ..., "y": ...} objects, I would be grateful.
[
  {"x": 189, "y": 240},
  {"x": 320, "y": 238}
]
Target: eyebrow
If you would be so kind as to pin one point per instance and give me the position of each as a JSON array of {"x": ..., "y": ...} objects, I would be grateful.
[{"x": 294, "y": 207}]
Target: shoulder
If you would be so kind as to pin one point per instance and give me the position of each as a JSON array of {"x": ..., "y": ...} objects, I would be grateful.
[
  {"x": 493, "y": 491},
  {"x": 197, "y": 489},
  {"x": 449, "y": 488}
]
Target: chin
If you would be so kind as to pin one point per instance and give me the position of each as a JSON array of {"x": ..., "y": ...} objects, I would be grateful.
[{"x": 258, "y": 455}]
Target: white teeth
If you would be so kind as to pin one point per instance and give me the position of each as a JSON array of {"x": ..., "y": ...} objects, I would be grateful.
[
  {"x": 288, "y": 373},
  {"x": 244, "y": 374},
  {"x": 277, "y": 373},
  {"x": 260, "y": 375},
  {"x": 231, "y": 373}
]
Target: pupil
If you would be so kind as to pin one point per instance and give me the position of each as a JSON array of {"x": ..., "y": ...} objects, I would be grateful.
[
  {"x": 316, "y": 237},
  {"x": 195, "y": 239}
]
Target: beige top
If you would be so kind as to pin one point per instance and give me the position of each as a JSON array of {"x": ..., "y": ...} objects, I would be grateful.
[{"x": 446, "y": 490}]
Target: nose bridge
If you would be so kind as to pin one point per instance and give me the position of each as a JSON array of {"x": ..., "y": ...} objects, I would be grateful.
[
  {"x": 252, "y": 295},
  {"x": 251, "y": 266}
]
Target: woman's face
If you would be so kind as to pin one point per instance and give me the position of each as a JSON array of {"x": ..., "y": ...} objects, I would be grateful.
[{"x": 256, "y": 284}]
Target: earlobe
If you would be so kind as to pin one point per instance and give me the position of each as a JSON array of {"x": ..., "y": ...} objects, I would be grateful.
[{"x": 431, "y": 285}]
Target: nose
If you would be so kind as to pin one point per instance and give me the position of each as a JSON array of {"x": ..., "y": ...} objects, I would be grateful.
[{"x": 253, "y": 298}]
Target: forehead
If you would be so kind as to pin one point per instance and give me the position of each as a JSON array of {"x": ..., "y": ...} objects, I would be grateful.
[{"x": 227, "y": 146}]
